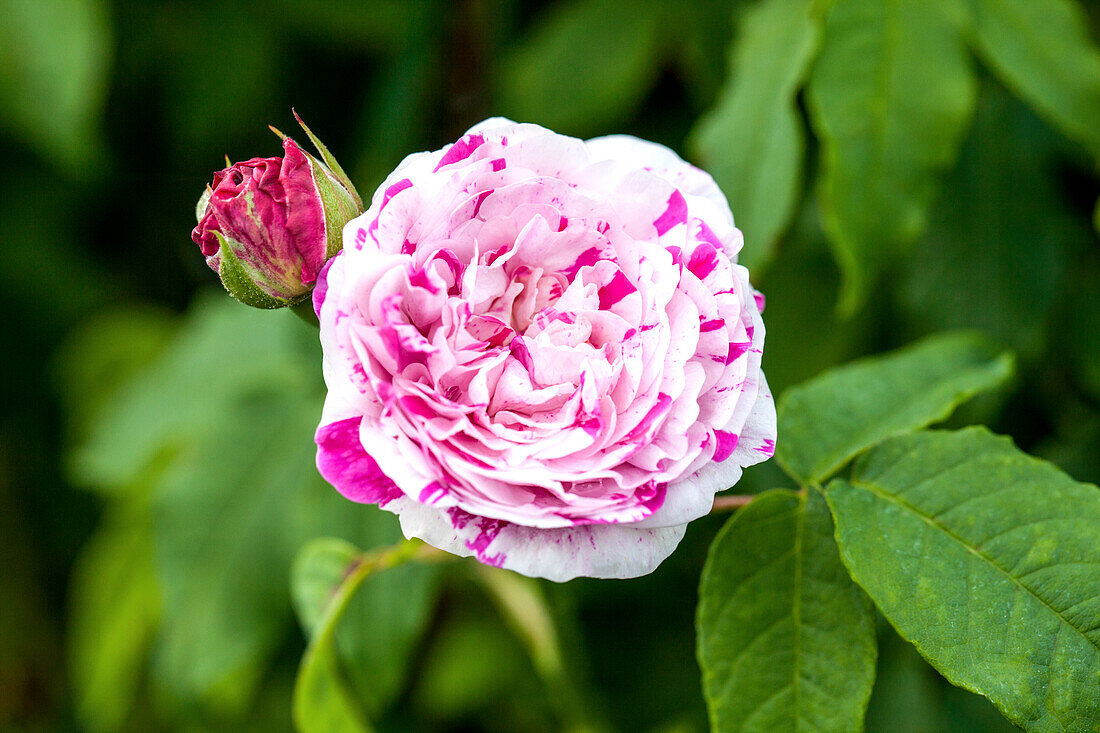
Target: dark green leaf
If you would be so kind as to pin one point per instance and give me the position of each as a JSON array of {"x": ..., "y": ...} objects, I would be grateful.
[
  {"x": 587, "y": 64},
  {"x": 891, "y": 95},
  {"x": 986, "y": 559},
  {"x": 752, "y": 142},
  {"x": 786, "y": 640},
  {"x": 1042, "y": 51},
  {"x": 832, "y": 418},
  {"x": 1000, "y": 236}
]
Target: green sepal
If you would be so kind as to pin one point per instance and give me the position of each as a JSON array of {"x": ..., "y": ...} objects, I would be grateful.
[
  {"x": 203, "y": 202},
  {"x": 340, "y": 205},
  {"x": 337, "y": 171},
  {"x": 239, "y": 284}
]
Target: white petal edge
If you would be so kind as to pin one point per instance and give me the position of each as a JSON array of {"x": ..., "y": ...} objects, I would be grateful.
[{"x": 593, "y": 551}]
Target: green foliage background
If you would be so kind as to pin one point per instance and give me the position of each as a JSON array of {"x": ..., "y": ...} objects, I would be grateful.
[{"x": 899, "y": 167}]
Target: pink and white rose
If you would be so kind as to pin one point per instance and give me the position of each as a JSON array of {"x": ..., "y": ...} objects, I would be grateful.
[{"x": 540, "y": 351}]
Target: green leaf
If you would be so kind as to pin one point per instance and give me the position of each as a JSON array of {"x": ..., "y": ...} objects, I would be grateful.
[
  {"x": 229, "y": 514},
  {"x": 115, "y": 612},
  {"x": 986, "y": 559},
  {"x": 319, "y": 569},
  {"x": 217, "y": 428},
  {"x": 786, "y": 639},
  {"x": 221, "y": 351},
  {"x": 1042, "y": 50},
  {"x": 384, "y": 621},
  {"x": 323, "y": 700},
  {"x": 586, "y": 65},
  {"x": 104, "y": 353},
  {"x": 1000, "y": 237},
  {"x": 827, "y": 421},
  {"x": 55, "y": 59},
  {"x": 891, "y": 95},
  {"x": 752, "y": 142}
]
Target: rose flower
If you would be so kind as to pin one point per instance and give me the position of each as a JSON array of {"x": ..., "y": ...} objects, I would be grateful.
[
  {"x": 540, "y": 351},
  {"x": 267, "y": 225}
]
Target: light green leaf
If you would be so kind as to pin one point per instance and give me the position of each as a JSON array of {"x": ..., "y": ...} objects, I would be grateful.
[
  {"x": 221, "y": 351},
  {"x": 586, "y": 64},
  {"x": 217, "y": 428},
  {"x": 115, "y": 605},
  {"x": 323, "y": 699},
  {"x": 104, "y": 353},
  {"x": 986, "y": 559},
  {"x": 786, "y": 639},
  {"x": 827, "y": 421},
  {"x": 1000, "y": 237},
  {"x": 1041, "y": 49},
  {"x": 891, "y": 95},
  {"x": 752, "y": 142},
  {"x": 54, "y": 63},
  {"x": 383, "y": 623},
  {"x": 319, "y": 569},
  {"x": 229, "y": 514}
]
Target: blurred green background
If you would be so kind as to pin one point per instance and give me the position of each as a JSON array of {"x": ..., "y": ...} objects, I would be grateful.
[{"x": 899, "y": 168}]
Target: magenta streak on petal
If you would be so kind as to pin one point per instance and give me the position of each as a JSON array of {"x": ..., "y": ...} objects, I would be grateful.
[
  {"x": 630, "y": 333},
  {"x": 394, "y": 190},
  {"x": 519, "y": 350},
  {"x": 759, "y": 298},
  {"x": 418, "y": 278},
  {"x": 563, "y": 222},
  {"x": 489, "y": 529},
  {"x": 654, "y": 496},
  {"x": 768, "y": 448},
  {"x": 415, "y": 406},
  {"x": 727, "y": 441},
  {"x": 389, "y": 194},
  {"x": 737, "y": 348},
  {"x": 706, "y": 234},
  {"x": 586, "y": 259},
  {"x": 344, "y": 463},
  {"x": 657, "y": 412},
  {"x": 498, "y": 165},
  {"x": 703, "y": 261},
  {"x": 407, "y": 247},
  {"x": 451, "y": 259},
  {"x": 616, "y": 290},
  {"x": 459, "y": 519},
  {"x": 360, "y": 238},
  {"x": 432, "y": 493},
  {"x": 321, "y": 289},
  {"x": 677, "y": 254},
  {"x": 711, "y": 325},
  {"x": 480, "y": 200},
  {"x": 676, "y": 213},
  {"x": 461, "y": 150}
]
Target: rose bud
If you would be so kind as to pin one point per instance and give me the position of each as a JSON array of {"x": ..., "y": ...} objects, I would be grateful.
[
  {"x": 541, "y": 351},
  {"x": 268, "y": 225}
]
